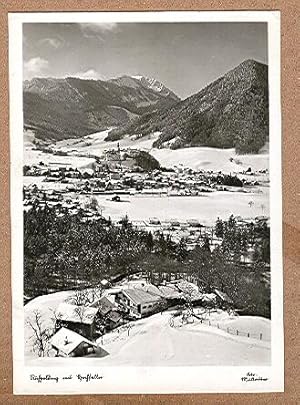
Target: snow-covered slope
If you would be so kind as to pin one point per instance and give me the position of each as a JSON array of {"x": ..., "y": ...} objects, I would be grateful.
[
  {"x": 214, "y": 159},
  {"x": 153, "y": 342},
  {"x": 197, "y": 158}
]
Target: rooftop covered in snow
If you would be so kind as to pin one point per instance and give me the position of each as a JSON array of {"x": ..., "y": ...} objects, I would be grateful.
[
  {"x": 66, "y": 341},
  {"x": 74, "y": 313}
]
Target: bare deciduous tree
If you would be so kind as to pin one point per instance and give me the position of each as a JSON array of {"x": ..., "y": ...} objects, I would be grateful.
[
  {"x": 41, "y": 334},
  {"x": 86, "y": 297}
]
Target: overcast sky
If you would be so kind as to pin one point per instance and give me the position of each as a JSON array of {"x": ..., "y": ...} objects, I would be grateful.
[{"x": 183, "y": 56}]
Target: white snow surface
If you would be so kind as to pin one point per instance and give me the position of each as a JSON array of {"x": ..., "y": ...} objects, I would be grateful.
[
  {"x": 153, "y": 342},
  {"x": 205, "y": 158},
  {"x": 214, "y": 159},
  {"x": 205, "y": 208}
]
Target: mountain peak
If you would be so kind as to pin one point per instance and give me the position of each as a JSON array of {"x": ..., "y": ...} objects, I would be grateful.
[
  {"x": 72, "y": 107},
  {"x": 149, "y": 83},
  {"x": 230, "y": 112},
  {"x": 249, "y": 67}
]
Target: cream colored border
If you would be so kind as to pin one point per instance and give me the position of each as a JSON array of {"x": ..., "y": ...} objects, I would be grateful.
[{"x": 147, "y": 379}]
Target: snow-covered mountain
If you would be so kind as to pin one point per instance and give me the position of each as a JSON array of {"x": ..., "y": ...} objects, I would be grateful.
[
  {"x": 231, "y": 112},
  {"x": 72, "y": 107},
  {"x": 137, "y": 81}
]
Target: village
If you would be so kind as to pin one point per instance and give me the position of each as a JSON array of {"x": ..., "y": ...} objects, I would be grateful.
[
  {"x": 87, "y": 317},
  {"x": 90, "y": 316},
  {"x": 132, "y": 171},
  {"x": 116, "y": 177}
]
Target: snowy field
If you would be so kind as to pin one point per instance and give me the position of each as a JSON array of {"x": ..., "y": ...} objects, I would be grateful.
[
  {"x": 43, "y": 185},
  {"x": 206, "y": 208},
  {"x": 210, "y": 159},
  {"x": 196, "y": 158},
  {"x": 153, "y": 342},
  {"x": 96, "y": 145},
  {"x": 33, "y": 156}
]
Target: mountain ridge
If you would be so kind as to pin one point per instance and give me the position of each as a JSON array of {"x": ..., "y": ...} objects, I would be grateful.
[
  {"x": 232, "y": 111},
  {"x": 60, "y": 108},
  {"x": 147, "y": 82}
]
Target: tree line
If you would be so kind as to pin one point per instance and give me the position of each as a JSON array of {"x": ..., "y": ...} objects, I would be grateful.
[{"x": 63, "y": 252}]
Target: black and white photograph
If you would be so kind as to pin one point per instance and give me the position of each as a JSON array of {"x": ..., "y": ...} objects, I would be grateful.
[{"x": 147, "y": 222}]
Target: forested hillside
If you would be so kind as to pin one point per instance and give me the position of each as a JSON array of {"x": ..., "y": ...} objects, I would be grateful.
[
  {"x": 61, "y": 253},
  {"x": 230, "y": 112}
]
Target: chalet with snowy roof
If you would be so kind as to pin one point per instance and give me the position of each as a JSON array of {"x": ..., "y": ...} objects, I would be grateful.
[
  {"x": 113, "y": 320},
  {"x": 105, "y": 283},
  {"x": 174, "y": 222},
  {"x": 81, "y": 319},
  {"x": 104, "y": 305},
  {"x": 194, "y": 222},
  {"x": 154, "y": 221},
  {"x": 110, "y": 316},
  {"x": 137, "y": 302},
  {"x": 68, "y": 343},
  {"x": 171, "y": 295}
]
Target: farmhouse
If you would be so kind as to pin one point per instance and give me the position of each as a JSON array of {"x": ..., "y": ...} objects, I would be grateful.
[
  {"x": 110, "y": 317},
  {"x": 68, "y": 343},
  {"x": 80, "y": 319},
  {"x": 138, "y": 303},
  {"x": 116, "y": 198},
  {"x": 104, "y": 305}
]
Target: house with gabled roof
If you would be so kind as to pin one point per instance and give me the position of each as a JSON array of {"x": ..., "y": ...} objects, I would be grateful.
[
  {"x": 81, "y": 319},
  {"x": 68, "y": 343},
  {"x": 104, "y": 305},
  {"x": 108, "y": 312},
  {"x": 137, "y": 302}
]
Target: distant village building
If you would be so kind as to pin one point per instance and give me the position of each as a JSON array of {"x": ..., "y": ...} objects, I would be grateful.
[
  {"x": 105, "y": 283},
  {"x": 193, "y": 222},
  {"x": 154, "y": 221},
  {"x": 115, "y": 176},
  {"x": 174, "y": 222},
  {"x": 116, "y": 198},
  {"x": 68, "y": 343}
]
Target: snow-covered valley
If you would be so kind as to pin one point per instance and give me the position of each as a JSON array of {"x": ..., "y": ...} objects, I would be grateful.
[
  {"x": 81, "y": 153},
  {"x": 225, "y": 160}
]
